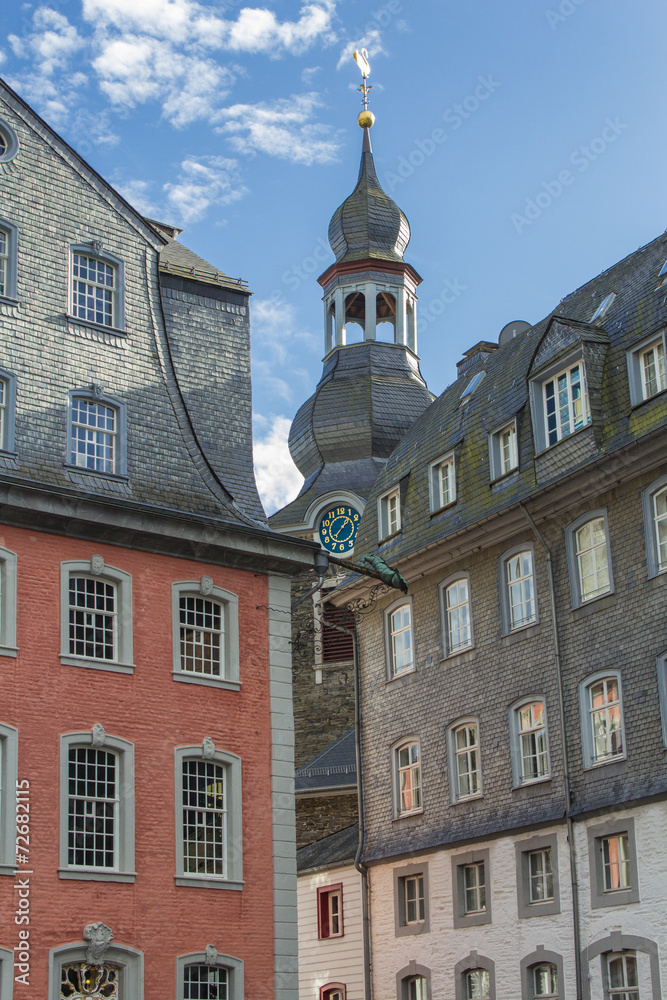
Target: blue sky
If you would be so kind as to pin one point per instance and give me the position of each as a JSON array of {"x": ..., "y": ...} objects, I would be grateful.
[{"x": 524, "y": 140}]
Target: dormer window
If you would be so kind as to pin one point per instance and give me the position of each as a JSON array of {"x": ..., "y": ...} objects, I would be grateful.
[
  {"x": 96, "y": 286},
  {"x": 646, "y": 369},
  {"x": 565, "y": 403},
  {"x": 389, "y": 514}
]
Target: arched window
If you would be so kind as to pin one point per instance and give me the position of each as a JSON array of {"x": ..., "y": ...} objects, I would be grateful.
[
  {"x": 456, "y": 615},
  {"x": 205, "y": 633},
  {"x": 589, "y": 557},
  {"x": 407, "y": 777},
  {"x": 530, "y": 748},
  {"x": 355, "y": 317},
  {"x": 209, "y": 975},
  {"x": 96, "y": 286},
  {"x": 96, "y": 432},
  {"x": 602, "y": 719},
  {"x": 465, "y": 763},
  {"x": 385, "y": 317},
  {"x": 119, "y": 975},
  {"x": 654, "y": 500},
  {"x": 8, "y": 259}
]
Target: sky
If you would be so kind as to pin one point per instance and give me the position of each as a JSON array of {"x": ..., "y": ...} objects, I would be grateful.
[{"x": 525, "y": 141}]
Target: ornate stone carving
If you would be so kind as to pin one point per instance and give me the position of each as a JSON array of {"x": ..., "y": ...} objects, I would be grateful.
[
  {"x": 208, "y": 748},
  {"x": 211, "y": 955},
  {"x": 205, "y": 586},
  {"x": 97, "y": 246},
  {"x": 99, "y": 736},
  {"x": 96, "y": 565},
  {"x": 100, "y": 937}
]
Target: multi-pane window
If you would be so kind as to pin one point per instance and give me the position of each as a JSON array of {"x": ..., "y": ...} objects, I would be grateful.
[
  {"x": 565, "y": 403},
  {"x": 400, "y": 637},
  {"x": 660, "y": 527},
  {"x": 457, "y": 610},
  {"x": 416, "y": 988},
  {"x": 616, "y": 862},
  {"x": 330, "y": 911},
  {"x": 92, "y": 808},
  {"x": 93, "y": 289},
  {"x": 202, "y": 624},
  {"x": 408, "y": 774},
  {"x": 443, "y": 483},
  {"x": 592, "y": 559},
  {"x": 79, "y": 979},
  {"x": 544, "y": 981},
  {"x": 605, "y": 719},
  {"x": 652, "y": 369},
  {"x": 205, "y": 982},
  {"x": 466, "y": 758},
  {"x": 204, "y": 818},
  {"x": 622, "y": 977},
  {"x": 93, "y": 619},
  {"x": 3, "y": 413},
  {"x": 413, "y": 886},
  {"x": 389, "y": 514},
  {"x": 520, "y": 583},
  {"x": 333, "y": 994},
  {"x": 477, "y": 984},
  {"x": 4, "y": 261},
  {"x": 503, "y": 451},
  {"x": 540, "y": 875},
  {"x": 93, "y": 435},
  {"x": 474, "y": 888},
  {"x": 532, "y": 733}
]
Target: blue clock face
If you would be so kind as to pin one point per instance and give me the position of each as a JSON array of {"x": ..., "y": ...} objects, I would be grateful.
[{"x": 338, "y": 528}]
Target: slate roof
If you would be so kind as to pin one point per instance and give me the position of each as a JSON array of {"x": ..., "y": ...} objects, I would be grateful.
[
  {"x": 177, "y": 259},
  {"x": 638, "y": 311},
  {"x": 335, "y": 767},
  {"x": 368, "y": 223},
  {"x": 335, "y": 849}
]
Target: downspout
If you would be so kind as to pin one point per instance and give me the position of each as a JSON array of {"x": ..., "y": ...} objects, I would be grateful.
[{"x": 576, "y": 930}]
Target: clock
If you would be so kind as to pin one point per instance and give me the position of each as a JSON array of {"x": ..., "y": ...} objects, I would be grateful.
[{"x": 338, "y": 528}]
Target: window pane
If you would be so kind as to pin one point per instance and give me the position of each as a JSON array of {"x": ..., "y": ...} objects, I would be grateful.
[
  {"x": 204, "y": 818},
  {"x": 79, "y": 979},
  {"x": 401, "y": 639},
  {"x": 519, "y": 571},
  {"x": 205, "y": 982},
  {"x": 92, "y": 618},
  {"x": 93, "y": 436},
  {"x": 92, "y": 290},
  {"x": 660, "y": 515},
  {"x": 92, "y": 808},
  {"x": 202, "y": 635}
]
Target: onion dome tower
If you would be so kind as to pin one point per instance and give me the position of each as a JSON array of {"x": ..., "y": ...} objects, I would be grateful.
[{"x": 371, "y": 389}]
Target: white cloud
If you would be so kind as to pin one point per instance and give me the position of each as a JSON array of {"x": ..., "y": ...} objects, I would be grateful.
[
  {"x": 371, "y": 40},
  {"x": 201, "y": 183},
  {"x": 3, "y": 57},
  {"x": 258, "y": 29},
  {"x": 278, "y": 479},
  {"x": 284, "y": 129},
  {"x": 138, "y": 195}
]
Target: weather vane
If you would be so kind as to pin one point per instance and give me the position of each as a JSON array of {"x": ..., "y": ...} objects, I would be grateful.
[{"x": 366, "y": 117}]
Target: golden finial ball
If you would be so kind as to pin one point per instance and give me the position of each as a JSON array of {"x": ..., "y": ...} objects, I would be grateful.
[{"x": 366, "y": 119}]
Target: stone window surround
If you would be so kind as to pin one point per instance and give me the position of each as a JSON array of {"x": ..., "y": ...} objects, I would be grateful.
[
  {"x": 94, "y": 249},
  {"x": 444, "y": 629},
  {"x": 505, "y": 615},
  {"x": 571, "y": 530},
  {"x": 495, "y": 461},
  {"x": 537, "y": 957},
  {"x": 588, "y": 761},
  {"x": 537, "y": 402},
  {"x": 448, "y": 458},
  {"x": 230, "y": 602},
  {"x": 94, "y": 394},
  {"x": 452, "y": 757},
  {"x": 523, "y": 849},
  {"x": 389, "y": 655},
  {"x": 234, "y": 967},
  {"x": 650, "y": 538},
  {"x": 461, "y": 919},
  {"x": 401, "y": 928},
  {"x": 396, "y": 810},
  {"x": 617, "y": 942},
  {"x": 96, "y": 567},
  {"x": 637, "y": 396},
  {"x": 407, "y": 973},
  {"x": 8, "y": 443},
  {"x": 234, "y": 839},
  {"x": 8, "y": 563},
  {"x": 124, "y": 751},
  {"x": 661, "y": 667},
  {"x": 9, "y": 744},
  {"x": 595, "y": 835},
  {"x": 130, "y": 961},
  {"x": 12, "y": 232},
  {"x": 474, "y": 961},
  {"x": 6, "y": 973},
  {"x": 515, "y": 741},
  {"x": 11, "y": 141}
]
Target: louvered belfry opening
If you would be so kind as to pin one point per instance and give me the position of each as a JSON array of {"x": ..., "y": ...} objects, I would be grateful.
[{"x": 336, "y": 645}]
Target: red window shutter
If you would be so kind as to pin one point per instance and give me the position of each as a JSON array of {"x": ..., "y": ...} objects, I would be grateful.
[{"x": 323, "y": 913}]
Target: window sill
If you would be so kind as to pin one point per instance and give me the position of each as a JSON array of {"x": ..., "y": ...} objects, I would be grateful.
[
  {"x": 505, "y": 477},
  {"x": 82, "y": 661},
  {"x": 472, "y": 919},
  {"x": 568, "y": 437},
  {"x": 615, "y": 897},
  {"x": 5, "y": 453},
  {"x": 206, "y": 681},
  {"x": 390, "y": 538},
  {"x": 657, "y": 579},
  {"x": 519, "y": 633},
  {"x": 403, "y": 673},
  {"x": 9, "y": 651},
  {"x": 607, "y": 600},
  {"x": 460, "y": 653},
  {"x": 542, "y": 908},
  {"x": 616, "y": 759},
  {"x": 447, "y": 506},
  {"x": 9, "y": 300},
  {"x": 531, "y": 782},
  {"x": 467, "y": 798},
  {"x": 648, "y": 399},
  {"x": 88, "y": 875},
  {"x": 10, "y": 870},
  {"x": 116, "y": 477},
  {"x": 403, "y": 930},
  {"x": 114, "y": 331},
  {"x": 407, "y": 815},
  {"x": 208, "y": 883}
]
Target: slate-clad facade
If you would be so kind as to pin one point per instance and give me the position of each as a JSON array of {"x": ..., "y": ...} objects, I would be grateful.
[
  {"x": 513, "y": 702},
  {"x": 147, "y": 836}
]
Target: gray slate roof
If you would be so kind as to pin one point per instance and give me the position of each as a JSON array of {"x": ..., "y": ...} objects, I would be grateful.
[
  {"x": 332, "y": 768},
  {"x": 335, "y": 849},
  {"x": 178, "y": 259}
]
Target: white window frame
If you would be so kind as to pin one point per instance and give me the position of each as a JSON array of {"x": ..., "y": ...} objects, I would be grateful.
[
  {"x": 9, "y": 750},
  {"x": 661, "y": 669},
  {"x": 506, "y": 605},
  {"x": 326, "y": 894},
  {"x": 9, "y": 261},
  {"x": 501, "y": 464},
  {"x": 389, "y": 514},
  {"x": 391, "y": 633},
  {"x": 94, "y": 395},
  {"x": 97, "y": 569},
  {"x": 404, "y": 875},
  {"x": 529, "y": 907},
  {"x": 442, "y": 494},
  {"x": 95, "y": 251},
  {"x": 7, "y": 411},
  {"x": 414, "y": 768},
  {"x": 129, "y": 961},
  {"x": 456, "y": 754},
  {"x": 450, "y": 648},
  {"x": 651, "y": 531},
  {"x": 212, "y": 958},
  {"x": 625, "y": 991},
  {"x": 123, "y": 869},
  {"x": 574, "y": 414},
  {"x": 636, "y": 370},
  {"x": 538, "y": 402},
  {"x": 597, "y": 835},
  {"x": 590, "y": 759},
  {"x": 10, "y": 142},
  {"x": 517, "y": 734},
  {"x": 574, "y": 553},
  {"x": 205, "y": 589},
  {"x": 233, "y": 832}
]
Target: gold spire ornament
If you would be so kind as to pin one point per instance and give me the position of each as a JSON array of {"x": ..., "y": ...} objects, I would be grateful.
[{"x": 366, "y": 118}]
